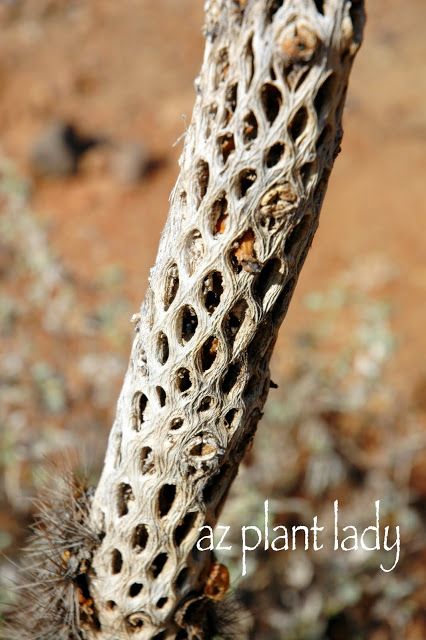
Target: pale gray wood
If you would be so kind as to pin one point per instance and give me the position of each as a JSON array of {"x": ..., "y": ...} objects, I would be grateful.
[{"x": 265, "y": 130}]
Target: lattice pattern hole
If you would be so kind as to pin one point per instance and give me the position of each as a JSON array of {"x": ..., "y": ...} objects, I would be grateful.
[
  {"x": 135, "y": 589},
  {"x": 171, "y": 285},
  {"x": 250, "y": 128},
  {"x": 187, "y": 324},
  {"x": 146, "y": 459},
  {"x": 271, "y": 100},
  {"x": 158, "y": 564},
  {"x": 162, "y": 348},
  {"x": 245, "y": 181},
  {"x": 184, "y": 528},
  {"x": 219, "y": 215},
  {"x": 161, "y": 396},
  {"x": 298, "y": 123},
  {"x": 140, "y": 537},
  {"x": 212, "y": 290},
  {"x": 194, "y": 251},
  {"x": 116, "y": 562},
  {"x": 208, "y": 353},
  {"x": 226, "y": 145},
  {"x": 166, "y": 497},
  {"x": 125, "y": 495},
  {"x": 274, "y": 154},
  {"x": 231, "y": 376},
  {"x": 202, "y": 176}
]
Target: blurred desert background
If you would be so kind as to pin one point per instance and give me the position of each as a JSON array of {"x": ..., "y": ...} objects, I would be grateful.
[{"x": 348, "y": 419}]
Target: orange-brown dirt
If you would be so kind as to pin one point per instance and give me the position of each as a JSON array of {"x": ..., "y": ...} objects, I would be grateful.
[{"x": 126, "y": 69}]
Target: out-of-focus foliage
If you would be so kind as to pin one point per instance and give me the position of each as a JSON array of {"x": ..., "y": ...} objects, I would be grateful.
[{"x": 63, "y": 348}]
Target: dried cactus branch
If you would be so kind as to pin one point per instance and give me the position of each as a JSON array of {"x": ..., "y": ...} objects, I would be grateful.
[{"x": 265, "y": 130}]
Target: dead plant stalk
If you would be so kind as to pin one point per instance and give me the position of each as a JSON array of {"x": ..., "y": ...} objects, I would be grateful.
[{"x": 265, "y": 130}]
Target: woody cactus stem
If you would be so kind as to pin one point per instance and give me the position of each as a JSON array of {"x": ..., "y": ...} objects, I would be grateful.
[{"x": 265, "y": 130}]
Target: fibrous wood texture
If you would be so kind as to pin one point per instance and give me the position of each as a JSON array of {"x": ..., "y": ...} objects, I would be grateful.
[{"x": 265, "y": 130}]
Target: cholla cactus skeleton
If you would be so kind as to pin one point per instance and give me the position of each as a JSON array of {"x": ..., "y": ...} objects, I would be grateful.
[{"x": 265, "y": 130}]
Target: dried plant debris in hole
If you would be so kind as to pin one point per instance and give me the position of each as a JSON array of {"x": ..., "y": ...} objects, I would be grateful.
[
  {"x": 204, "y": 447},
  {"x": 277, "y": 203},
  {"x": 125, "y": 495},
  {"x": 194, "y": 251},
  {"x": 187, "y": 324},
  {"x": 146, "y": 459},
  {"x": 171, "y": 285},
  {"x": 222, "y": 66},
  {"x": 162, "y": 348},
  {"x": 208, "y": 353},
  {"x": 219, "y": 215},
  {"x": 140, "y": 537},
  {"x": 226, "y": 145},
  {"x": 299, "y": 46},
  {"x": 234, "y": 320},
  {"x": 243, "y": 253},
  {"x": 202, "y": 175},
  {"x": 245, "y": 181},
  {"x": 53, "y": 597},
  {"x": 210, "y": 113},
  {"x": 217, "y": 583},
  {"x": 212, "y": 290},
  {"x": 205, "y": 404},
  {"x": 249, "y": 67},
  {"x": 250, "y": 128},
  {"x": 183, "y": 380},
  {"x": 230, "y": 102}
]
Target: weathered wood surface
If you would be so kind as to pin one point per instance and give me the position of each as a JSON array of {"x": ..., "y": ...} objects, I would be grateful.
[{"x": 265, "y": 130}]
